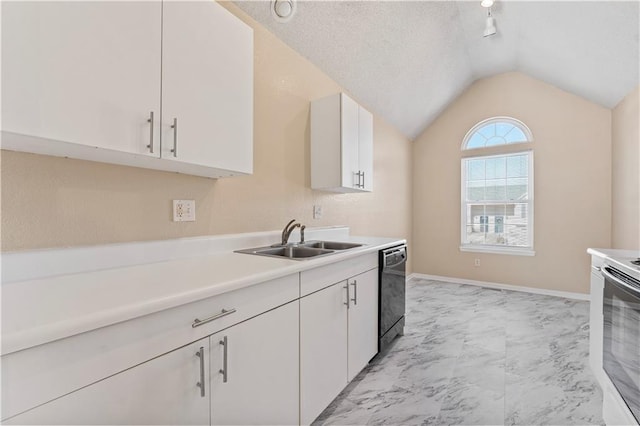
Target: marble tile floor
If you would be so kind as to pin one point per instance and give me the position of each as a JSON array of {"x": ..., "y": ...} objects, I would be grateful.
[{"x": 478, "y": 356}]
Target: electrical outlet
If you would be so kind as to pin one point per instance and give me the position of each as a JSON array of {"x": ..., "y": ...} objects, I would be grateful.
[
  {"x": 317, "y": 212},
  {"x": 184, "y": 210},
  {"x": 476, "y": 262}
]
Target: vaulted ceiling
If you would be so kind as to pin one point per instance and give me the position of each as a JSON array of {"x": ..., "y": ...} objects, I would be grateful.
[{"x": 407, "y": 60}]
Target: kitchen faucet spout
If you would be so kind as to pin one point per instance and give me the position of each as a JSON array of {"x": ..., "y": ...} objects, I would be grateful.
[{"x": 288, "y": 229}]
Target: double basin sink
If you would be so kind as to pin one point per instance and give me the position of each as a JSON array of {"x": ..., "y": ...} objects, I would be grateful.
[{"x": 302, "y": 250}]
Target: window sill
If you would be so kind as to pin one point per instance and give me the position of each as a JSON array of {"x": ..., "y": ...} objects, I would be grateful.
[{"x": 516, "y": 251}]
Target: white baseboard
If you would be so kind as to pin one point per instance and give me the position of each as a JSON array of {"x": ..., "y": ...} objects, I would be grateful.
[{"x": 547, "y": 292}]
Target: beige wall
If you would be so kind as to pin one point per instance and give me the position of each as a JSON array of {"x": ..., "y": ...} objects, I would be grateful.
[
  {"x": 572, "y": 185},
  {"x": 54, "y": 202},
  {"x": 625, "y": 188}
]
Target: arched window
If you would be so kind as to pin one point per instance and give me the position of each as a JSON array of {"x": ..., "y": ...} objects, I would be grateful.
[
  {"x": 497, "y": 131},
  {"x": 497, "y": 188}
]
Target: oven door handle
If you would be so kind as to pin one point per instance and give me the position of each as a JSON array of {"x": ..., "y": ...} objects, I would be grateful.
[{"x": 617, "y": 281}]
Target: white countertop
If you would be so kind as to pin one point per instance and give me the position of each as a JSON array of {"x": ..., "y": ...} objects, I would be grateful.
[
  {"x": 603, "y": 253},
  {"x": 45, "y": 309}
]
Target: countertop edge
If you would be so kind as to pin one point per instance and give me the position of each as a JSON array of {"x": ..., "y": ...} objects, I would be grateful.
[{"x": 28, "y": 338}]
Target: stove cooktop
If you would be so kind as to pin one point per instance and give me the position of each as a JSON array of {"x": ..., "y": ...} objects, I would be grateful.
[{"x": 628, "y": 265}]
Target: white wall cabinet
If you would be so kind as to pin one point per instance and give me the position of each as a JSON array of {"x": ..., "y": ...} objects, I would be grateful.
[
  {"x": 87, "y": 73},
  {"x": 338, "y": 337},
  {"x": 83, "y": 80},
  {"x": 341, "y": 145},
  {"x": 207, "y": 86},
  {"x": 255, "y": 374},
  {"x": 163, "y": 391}
]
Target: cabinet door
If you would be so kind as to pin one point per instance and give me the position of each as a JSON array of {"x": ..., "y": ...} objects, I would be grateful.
[
  {"x": 207, "y": 86},
  {"x": 163, "y": 390},
  {"x": 365, "y": 148},
  {"x": 323, "y": 349},
  {"x": 82, "y": 72},
  {"x": 349, "y": 142},
  {"x": 259, "y": 381},
  {"x": 363, "y": 320}
]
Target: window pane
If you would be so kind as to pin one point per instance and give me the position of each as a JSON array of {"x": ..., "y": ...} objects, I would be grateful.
[
  {"x": 488, "y": 131},
  {"x": 495, "y": 167},
  {"x": 475, "y": 169},
  {"x": 476, "y": 141},
  {"x": 517, "y": 166},
  {"x": 515, "y": 135},
  {"x": 495, "y": 190},
  {"x": 517, "y": 189},
  {"x": 475, "y": 190},
  {"x": 502, "y": 129},
  {"x": 496, "y": 140}
]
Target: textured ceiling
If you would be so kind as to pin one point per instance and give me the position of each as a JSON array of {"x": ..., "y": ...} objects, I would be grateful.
[{"x": 407, "y": 60}]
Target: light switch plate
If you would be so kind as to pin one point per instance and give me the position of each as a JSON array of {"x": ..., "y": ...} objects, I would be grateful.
[{"x": 184, "y": 210}]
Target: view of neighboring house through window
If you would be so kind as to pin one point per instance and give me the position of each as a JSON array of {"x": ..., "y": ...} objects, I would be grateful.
[{"x": 497, "y": 189}]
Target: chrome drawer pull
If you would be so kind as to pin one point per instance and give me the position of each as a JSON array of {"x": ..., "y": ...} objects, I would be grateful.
[
  {"x": 201, "y": 383},
  {"x": 224, "y": 369},
  {"x": 198, "y": 322},
  {"x": 150, "y": 120},
  {"x": 174, "y": 126},
  {"x": 355, "y": 292}
]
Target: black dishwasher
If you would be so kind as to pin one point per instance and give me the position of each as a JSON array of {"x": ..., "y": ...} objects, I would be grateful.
[{"x": 391, "y": 303}]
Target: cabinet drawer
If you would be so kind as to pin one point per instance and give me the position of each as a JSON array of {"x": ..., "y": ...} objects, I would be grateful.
[
  {"x": 319, "y": 278},
  {"x": 39, "y": 374}
]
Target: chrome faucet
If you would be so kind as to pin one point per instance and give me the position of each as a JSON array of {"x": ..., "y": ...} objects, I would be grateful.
[{"x": 288, "y": 229}]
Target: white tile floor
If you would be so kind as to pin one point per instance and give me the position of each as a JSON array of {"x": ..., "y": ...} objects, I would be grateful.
[{"x": 478, "y": 356}]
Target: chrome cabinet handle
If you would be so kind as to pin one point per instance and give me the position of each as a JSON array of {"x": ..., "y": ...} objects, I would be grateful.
[
  {"x": 362, "y": 180},
  {"x": 201, "y": 383},
  {"x": 224, "y": 369},
  {"x": 150, "y": 120},
  {"x": 174, "y": 126},
  {"x": 355, "y": 292},
  {"x": 198, "y": 322},
  {"x": 347, "y": 288}
]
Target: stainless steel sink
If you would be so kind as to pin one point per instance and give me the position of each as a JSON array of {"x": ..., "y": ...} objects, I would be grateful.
[
  {"x": 290, "y": 252},
  {"x": 301, "y": 251},
  {"x": 331, "y": 245}
]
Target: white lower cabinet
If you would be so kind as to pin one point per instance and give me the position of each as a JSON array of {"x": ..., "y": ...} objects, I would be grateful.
[
  {"x": 338, "y": 337},
  {"x": 323, "y": 349},
  {"x": 254, "y": 370},
  {"x": 363, "y": 321},
  {"x": 271, "y": 358},
  {"x": 163, "y": 391}
]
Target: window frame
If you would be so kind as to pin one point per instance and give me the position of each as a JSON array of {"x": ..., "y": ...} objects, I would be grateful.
[
  {"x": 502, "y": 119},
  {"x": 494, "y": 248}
]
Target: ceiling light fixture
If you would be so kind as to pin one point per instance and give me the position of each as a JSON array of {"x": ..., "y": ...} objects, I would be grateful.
[
  {"x": 283, "y": 10},
  {"x": 486, "y": 3},
  {"x": 490, "y": 25}
]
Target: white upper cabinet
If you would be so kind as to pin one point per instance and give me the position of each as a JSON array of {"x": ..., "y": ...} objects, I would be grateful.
[
  {"x": 341, "y": 145},
  {"x": 207, "y": 86},
  {"x": 160, "y": 85},
  {"x": 82, "y": 72}
]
